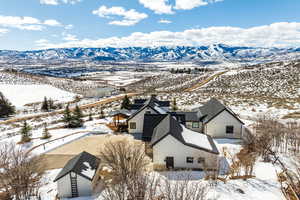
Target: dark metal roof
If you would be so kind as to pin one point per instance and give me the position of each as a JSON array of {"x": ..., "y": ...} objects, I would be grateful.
[
  {"x": 150, "y": 122},
  {"x": 170, "y": 126},
  {"x": 139, "y": 101},
  {"x": 122, "y": 111},
  {"x": 189, "y": 116},
  {"x": 153, "y": 103},
  {"x": 212, "y": 108},
  {"x": 76, "y": 165}
]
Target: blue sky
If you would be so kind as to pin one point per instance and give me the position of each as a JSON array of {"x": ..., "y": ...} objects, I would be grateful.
[{"x": 38, "y": 24}]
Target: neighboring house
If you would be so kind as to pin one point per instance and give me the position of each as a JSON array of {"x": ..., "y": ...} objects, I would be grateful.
[
  {"x": 175, "y": 146},
  {"x": 151, "y": 106},
  {"x": 76, "y": 178},
  {"x": 220, "y": 121}
]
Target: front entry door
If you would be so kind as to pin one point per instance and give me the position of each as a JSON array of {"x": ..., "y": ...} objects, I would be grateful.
[{"x": 169, "y": 162}]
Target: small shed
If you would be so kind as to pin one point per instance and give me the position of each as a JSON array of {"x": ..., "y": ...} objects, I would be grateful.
[{"x": 76, "y": 178}]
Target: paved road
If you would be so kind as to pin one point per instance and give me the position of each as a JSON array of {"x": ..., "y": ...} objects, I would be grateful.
[{"x": 204, "y": 82}]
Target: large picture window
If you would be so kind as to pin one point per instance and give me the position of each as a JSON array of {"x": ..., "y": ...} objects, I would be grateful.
[{"x": 229, "y": 129}]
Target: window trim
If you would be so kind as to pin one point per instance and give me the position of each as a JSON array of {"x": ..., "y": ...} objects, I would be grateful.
[
  {"x": 230, "y": 126},
  {"x": 132, "y": 123},
  {"x": 198, "y": 125},
  {"x": 189, "y": 159}
]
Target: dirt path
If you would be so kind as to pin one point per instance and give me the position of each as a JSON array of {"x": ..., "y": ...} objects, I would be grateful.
[
  {"x": 202, "y": 83},
  {"x": 86, "y": 106}
]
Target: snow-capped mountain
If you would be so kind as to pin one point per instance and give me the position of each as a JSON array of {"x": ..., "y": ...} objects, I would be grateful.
[{"x": 216, "y": 53}]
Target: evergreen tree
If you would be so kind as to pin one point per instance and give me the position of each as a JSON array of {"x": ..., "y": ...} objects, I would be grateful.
[
  {"x": 25, "y": 132},
  {"x": 90, "y": 116},
  {"x": 101, "y": 113},
  {"x": 46, "y": 133},
  {"x": 77, "y": 120},
  {"x": 6, "y": 108},
  {"x": 126, "y": 104},
  {"x": 174, "y": 105},
  {"x": 67, "y": 118},
  {"x": 45, "y": 105},
  {"x": 51, "y": 104}
]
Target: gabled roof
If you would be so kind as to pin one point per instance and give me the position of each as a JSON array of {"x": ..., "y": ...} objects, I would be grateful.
[
  {"x": 189, "y": 116},
  {"x": 84, "y": 164},
  {"x": 153, "y": 103},
  {"x": 170, "y": 126},
  {"x": 122, "y": 111},
  {"x": 212, "y": 108},
  {"x": 150, "y": 122}
]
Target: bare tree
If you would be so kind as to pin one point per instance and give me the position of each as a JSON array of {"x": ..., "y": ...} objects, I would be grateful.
[
  {"x": 20, "y": 174},
  {"x": 126, "y": 176}
]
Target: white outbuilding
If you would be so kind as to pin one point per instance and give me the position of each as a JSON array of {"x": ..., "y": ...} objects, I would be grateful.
[{"x": 76, "y": 178}]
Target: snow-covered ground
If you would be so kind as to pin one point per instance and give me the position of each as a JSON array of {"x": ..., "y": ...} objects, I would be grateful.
[
  {"x": 263, "y": 187},
  {"x": 19, "y": 95}
]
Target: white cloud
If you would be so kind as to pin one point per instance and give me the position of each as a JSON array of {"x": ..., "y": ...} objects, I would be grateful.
[
  {"x": 68, "y": 27},
  {"x": 52, "y": 22},
  {"x": 3, "y": 31},
  {"x": 26, "y": 23},
  {"x": 130, "y": 17},
  {"x": 164, "y": 21},
  {"x": 57, "y": 2},
  {"x": 69, "y": 37},
  {"x": 41, "y": 42},
  {"x": 190, "y": 4},
  {"x": 158, "y": 6},
  {"x": 283, "y": 34}
]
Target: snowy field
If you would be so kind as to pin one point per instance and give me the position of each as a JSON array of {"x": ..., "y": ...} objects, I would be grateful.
[{"x": 20, "y": 95}]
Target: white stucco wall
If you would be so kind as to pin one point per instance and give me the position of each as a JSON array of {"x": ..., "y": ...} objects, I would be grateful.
[
  {"x": 84, "y": 186},
  {"x": 139, "y": 120},
  {"x": 217, "y": 126},
  {"x": 64, "y": 186},
  {"x": 171, "y": 147}
]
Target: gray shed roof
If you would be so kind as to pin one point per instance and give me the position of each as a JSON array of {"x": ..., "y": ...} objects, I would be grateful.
[{"x": 78, "y": 165}]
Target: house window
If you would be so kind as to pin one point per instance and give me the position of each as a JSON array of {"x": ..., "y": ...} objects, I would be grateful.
[
  {"x": 132, "y": 125},
  {"x": 195, "y": 125},
  {"x": 201, "y": 160},
  {"x": 229, "y": 129},
  {"x": 189, "y": 159}
]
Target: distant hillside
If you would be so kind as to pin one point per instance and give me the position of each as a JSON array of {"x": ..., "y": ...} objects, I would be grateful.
[{"x": 205, "y": 55}]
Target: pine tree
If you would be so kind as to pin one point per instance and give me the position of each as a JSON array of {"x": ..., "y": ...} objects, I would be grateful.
[
  {"x": 101, "y": 114},
  {"x": 126, "y": 104},
  {"x": 25, "y": 132},
  {"x": 51, "y": 104},
  {"x": 45, "y": 105},
  {"x": 46, "y": 133},
  {"x": 77, "y": 120},
  {"x": 90, "y": 116},
  {"x": 6, "y": 108},
  {"x": 67, "y": 118},
  {"x": 174, "y": 105}
]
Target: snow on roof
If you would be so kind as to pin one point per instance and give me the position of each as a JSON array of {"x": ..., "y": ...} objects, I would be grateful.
[
  {"x": 195, "y": 138},
  {"x": 159, "y": 109},
  {"x": 89, "y": 172}
]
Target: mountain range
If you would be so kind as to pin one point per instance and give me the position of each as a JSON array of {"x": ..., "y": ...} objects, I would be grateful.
[{"x": 203, "y": 54}]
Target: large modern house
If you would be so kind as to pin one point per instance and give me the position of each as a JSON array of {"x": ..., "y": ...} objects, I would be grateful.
[{"x": 213, "y": 118}]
